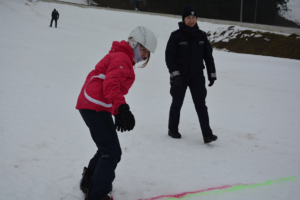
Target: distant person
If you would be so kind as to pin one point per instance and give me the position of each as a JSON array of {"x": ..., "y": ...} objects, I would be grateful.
[
  {"x": 186, "y": 50},
  {"x": 101, "y": 97},
  {"x": 136, "y": 5},
  {"x": 55, "y": 16}
]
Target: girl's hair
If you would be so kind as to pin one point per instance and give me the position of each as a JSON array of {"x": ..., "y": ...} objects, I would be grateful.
[{"x": 144, "y": 65}]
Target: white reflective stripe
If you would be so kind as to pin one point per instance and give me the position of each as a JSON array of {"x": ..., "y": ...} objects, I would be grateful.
[
  {"x": 213, "y": 75},
  {"x": 96, "y": 101},
  {"x": 175, "y": 73},
  {"x": 101, "y": 76}
]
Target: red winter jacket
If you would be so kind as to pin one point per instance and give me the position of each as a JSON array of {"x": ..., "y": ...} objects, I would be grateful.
[{"x": 106, "y": 85}]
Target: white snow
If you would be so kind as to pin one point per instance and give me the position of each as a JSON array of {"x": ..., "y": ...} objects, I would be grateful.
[
  {"x": 294, "y": 11},
  {"x": 225, "y": 33},
  {"x": 84, "y": 2},
  {"x": 44, "y": 144}
]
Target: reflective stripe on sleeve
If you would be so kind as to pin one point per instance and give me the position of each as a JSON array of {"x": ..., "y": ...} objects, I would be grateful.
[
  {"x": 175, "y": 73},
  {"x": 101, "y": 76}
]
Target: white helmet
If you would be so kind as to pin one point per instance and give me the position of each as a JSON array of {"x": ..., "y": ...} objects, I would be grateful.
[{"x": 145, "y": 37}]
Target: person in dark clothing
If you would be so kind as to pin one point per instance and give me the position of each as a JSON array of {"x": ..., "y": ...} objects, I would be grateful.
[
  {"x": 186, "y": 49},
  {"x": 136, "y": 5},
  {"x": 55, "y": 16}
]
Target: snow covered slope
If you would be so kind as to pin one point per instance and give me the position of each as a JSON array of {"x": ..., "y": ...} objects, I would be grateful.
[
  {"x": 294, "y": 11},
  {"x": 44, "y": 143},
  {"x": 84, "y": 2}
]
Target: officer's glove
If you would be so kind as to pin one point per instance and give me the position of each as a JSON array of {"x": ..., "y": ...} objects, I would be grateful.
[
  {"x": 127, "y": 117},
  {"x": 119, "y": 124},
  {"x": 177, "y": 80},
  {"x": 211, "y": 82}
]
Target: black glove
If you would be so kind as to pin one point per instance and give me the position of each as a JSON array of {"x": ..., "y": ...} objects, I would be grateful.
[
  {"x": 119, "y": 125},
  {"x": 177, "y": 80},
  {"x": 127, "y": 117},
  {"x": 211, "y": 82}
]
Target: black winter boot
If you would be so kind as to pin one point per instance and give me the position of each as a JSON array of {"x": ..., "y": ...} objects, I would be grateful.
[
  {"x": 209, "y": 138},
  {"x": 174, "y": 134},
  {"x": 85, "y": 180}
]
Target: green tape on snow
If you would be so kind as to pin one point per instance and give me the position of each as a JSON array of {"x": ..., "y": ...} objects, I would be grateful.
[{"x": 232, "y": 188}]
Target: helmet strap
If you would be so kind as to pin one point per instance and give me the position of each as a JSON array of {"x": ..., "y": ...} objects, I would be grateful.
[
  {"x": 132, "y": 43},
  {"x": 137, "y": 54}
]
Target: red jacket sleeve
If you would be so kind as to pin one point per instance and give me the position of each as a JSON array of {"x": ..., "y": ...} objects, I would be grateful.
[{"x": 117, "y": 72}]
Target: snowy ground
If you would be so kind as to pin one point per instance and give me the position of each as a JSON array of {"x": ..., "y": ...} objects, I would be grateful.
[
  {"x": 294, "y": 11},
  {"x": 44, "y": 143},
  {"x": 84, "y": 2}
]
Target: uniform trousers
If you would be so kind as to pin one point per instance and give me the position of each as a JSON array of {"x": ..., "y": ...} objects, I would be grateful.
[{"x": 198, "y": 92}]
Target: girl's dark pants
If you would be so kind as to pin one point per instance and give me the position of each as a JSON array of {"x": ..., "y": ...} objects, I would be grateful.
[
  {"x": 108, "y": 155},
  {"x": 198, "y": 91}
]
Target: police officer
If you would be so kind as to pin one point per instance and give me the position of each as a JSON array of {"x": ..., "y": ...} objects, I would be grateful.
[
  {"x": 186, "y": 49},
  {"x": 55, "y": 16}
]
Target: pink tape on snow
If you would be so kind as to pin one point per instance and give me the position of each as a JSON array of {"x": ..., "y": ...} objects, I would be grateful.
[
  {"x": 187, "y": 193},
  {"x": 230, "y": 188}
]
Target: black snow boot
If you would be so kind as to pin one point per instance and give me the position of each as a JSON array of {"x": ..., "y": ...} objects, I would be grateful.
[
  {"x": 209, "y": 138},
  {"x": 85, "y": 180},
  {"x": 174, "y": 134}
]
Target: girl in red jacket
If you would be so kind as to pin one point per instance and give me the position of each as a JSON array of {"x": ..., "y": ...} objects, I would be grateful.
[{"x": 102, "y": 96}]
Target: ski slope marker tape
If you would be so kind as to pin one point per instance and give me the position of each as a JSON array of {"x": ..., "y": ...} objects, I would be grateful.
[{"x": 218, "y": 190}]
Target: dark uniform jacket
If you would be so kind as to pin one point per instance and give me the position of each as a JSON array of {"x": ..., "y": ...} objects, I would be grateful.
[
  {"x": 55, "y": 14},
  {"x": 186, "y": 50}
]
